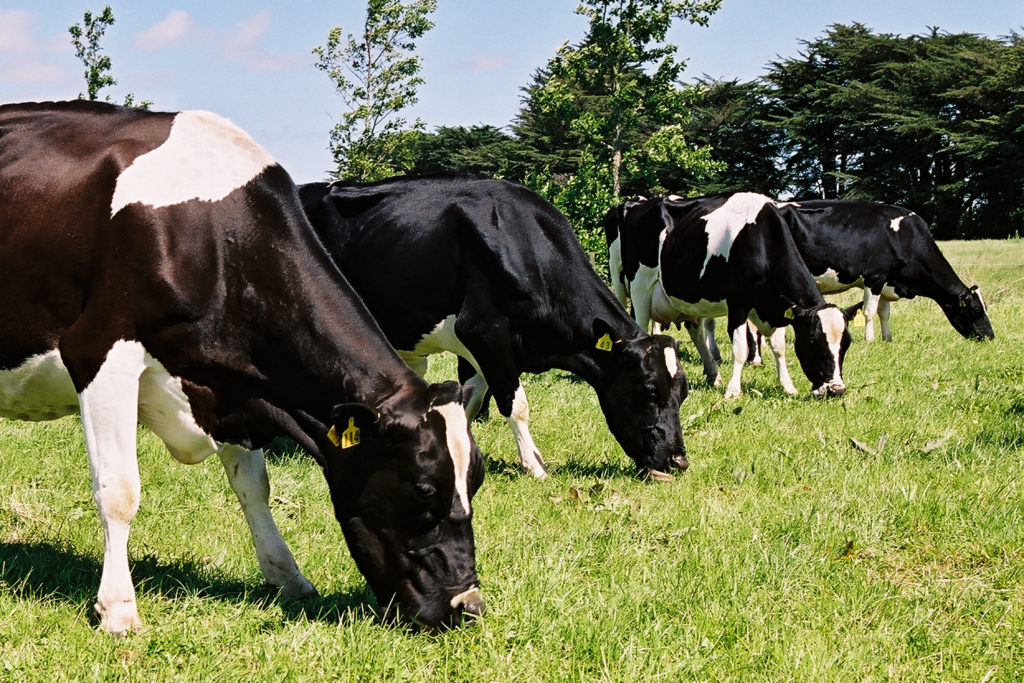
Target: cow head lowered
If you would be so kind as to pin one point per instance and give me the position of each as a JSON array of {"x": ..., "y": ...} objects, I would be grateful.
[
  {"x": 401, "y": 492},
  {"x": 821, "y": 338},
  {"x": 969, "y": 315},
  {"x": 640, "y": 391}
]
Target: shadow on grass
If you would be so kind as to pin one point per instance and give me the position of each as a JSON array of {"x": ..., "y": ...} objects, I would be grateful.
[{"x": 53, "y": 572}]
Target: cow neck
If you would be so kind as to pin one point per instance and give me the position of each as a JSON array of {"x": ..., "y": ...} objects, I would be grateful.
[
  {"x": 582, "y": 357},
  {"x": 343, "y": 356},
  {"x": 786, "y": 262},
  {"x": 929, "y": 274}
]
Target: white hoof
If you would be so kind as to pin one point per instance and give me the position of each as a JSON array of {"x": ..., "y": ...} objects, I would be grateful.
[{"x": 119, "y": 619}]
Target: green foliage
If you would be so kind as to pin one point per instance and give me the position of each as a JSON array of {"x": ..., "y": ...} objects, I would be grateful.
[
  {"x": 377, "y": 75},
  {"x": 785, "y": 552},
  {"x": 737, "y": 122},
  {"x": 86, "y": 40},
  {"x": 609, "y": 110},
  {"x": 928, "y": 121}
]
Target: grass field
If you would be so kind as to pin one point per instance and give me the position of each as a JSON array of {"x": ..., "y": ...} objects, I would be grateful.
[{"x": 877, "y": 536}]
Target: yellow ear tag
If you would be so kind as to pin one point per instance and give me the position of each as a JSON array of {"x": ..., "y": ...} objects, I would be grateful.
[
  {"x": 349, "y": 437},
  {"x": 604, "y": 343},
  {"x": 789, "y": 314},
  {"x": 858, "y": 319}
]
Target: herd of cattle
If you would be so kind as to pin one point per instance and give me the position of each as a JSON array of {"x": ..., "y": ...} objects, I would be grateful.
[{"x": 161, "y": 268}]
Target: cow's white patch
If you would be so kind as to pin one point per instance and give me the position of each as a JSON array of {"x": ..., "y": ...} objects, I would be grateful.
[
  {"x": 456, "y": 429},
  {"x": 441, "y": 338},
  {"x": 164, "y": 408},
  {"x": 38, "y": 389},
  {"x": 724, "y": 224},
  {"x": 519, "y": 420},
  {"x": 688, "y": 310},
  {"x": 615, "y": 270},
  {"x": 832, "y": 324},
  {"x": 829, "y": 282},
  {"x": 205, "y": 157},
  {"x": 894, "y": 224},
  {"x": 671, "y": 362}
]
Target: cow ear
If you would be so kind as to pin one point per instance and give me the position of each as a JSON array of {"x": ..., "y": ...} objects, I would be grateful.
[
  {"x": 604, "y": 338},
  {"x": 351, "y": 423},
  {"x": 851, "y": 312}
]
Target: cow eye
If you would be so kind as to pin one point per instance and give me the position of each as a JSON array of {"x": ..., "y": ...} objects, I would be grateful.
[{"x": 425, "y": 490}]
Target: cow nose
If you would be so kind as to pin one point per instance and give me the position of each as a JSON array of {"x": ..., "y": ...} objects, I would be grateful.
[
  {"x": 836, "y": 389},
  {"x": 680, "y": 462},
  {"x": 471, "y": 602}
]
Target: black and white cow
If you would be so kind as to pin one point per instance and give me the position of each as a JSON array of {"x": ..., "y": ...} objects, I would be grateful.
[
  {"x": 488, "y": 270},
  {"x": 158, "y": 268},
  {"x": 683, "y": 260},
  {"x": 890, "y": 253}
]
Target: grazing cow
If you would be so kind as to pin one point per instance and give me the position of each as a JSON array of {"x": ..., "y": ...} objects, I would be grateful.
[
  {"x": 158, "y": 268},
  {"x": 491, "y": 272},
  {"x": 890, "y": 253},
  {"x": 688, "y": 259}
]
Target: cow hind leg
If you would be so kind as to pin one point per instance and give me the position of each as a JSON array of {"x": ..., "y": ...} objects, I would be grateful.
[
  {"x": 709, "y": 332},
  {"x": 480, "y": 396},
  {"x": 871, "y": 302},
  {"x": 247, "y": 473},
  {"x": 699, "y": 339},
  {"x": 109, "y": 408},
  {"x": 883, "y": 319}
]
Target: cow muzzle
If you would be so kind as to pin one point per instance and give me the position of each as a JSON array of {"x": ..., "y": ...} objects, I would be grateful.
[
  {"x": 471, "y": 602},
  {"x": 829, "y": 389}
]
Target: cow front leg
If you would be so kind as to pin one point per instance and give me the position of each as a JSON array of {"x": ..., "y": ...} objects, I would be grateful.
[
  {"x": 247, "y": 473},
  {"x": 777, "y": 343},
  {"x": 517, "y": 411},
  {"x": 738, "y": 333},
  {"x": 700, "y": 342},
  {"x": 109, "y": 407},
  {"x": 871, "y": 301}
]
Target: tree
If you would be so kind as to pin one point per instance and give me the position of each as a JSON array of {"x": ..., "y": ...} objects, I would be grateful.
[
  {"x": 86, "y": 40},
  {"x": 377, "y": 75},
  {"x": 932, "y": 122},
  {"x": 737, "y": 122},
  {"x": 619, "y": 86}
]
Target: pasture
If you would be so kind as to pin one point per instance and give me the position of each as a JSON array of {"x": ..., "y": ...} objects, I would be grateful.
[{"x": 875, "y": 536}]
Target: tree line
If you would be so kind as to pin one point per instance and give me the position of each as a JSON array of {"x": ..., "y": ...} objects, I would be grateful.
[{"x": 933, "y": 122}]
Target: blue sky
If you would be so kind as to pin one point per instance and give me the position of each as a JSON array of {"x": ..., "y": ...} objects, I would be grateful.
[{"x": 252, "y": 61}]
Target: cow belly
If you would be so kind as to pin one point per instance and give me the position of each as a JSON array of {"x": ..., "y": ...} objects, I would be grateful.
[
  {"x": 41, "y": 389},
  {"x": 441, "y": 338},
  {"x": 828, "y": 282},
  {"x": 679, "y": 310},
  {"x": 38, "y": 389}
]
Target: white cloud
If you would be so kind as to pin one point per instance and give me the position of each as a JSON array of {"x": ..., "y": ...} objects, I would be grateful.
[
  {"x": 173, "y": 30},
  {"x": 244, "y": 44},
  {"x": 23, "y": 58}
]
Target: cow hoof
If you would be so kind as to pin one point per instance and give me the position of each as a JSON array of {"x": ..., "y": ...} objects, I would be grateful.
[
  {"x": 120, "y": 619},
  {"x": 298, "y": 588},
  {"x": 536, "y": 466}
]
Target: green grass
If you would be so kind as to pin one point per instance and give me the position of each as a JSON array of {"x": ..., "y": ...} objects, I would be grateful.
[{"x": 787, "y": 551}]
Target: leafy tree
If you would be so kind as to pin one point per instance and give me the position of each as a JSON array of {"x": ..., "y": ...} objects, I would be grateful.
[
  {"x": 86, "y": 40},
  {"x": 377, "y": 75},
  {"x": 928, "y": 121},
  {"x": 477, "y": 150},
  {"x": 736, "y": 121},
  {"x": 618, "y": 87}
]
